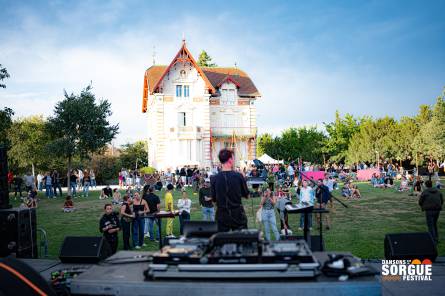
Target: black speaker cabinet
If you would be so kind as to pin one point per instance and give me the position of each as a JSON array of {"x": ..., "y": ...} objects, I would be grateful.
[
  {"x": 203, "y": 229},
  {"x": 409, "y": 246},
  {"x": 18, "y": 233},
  {"x": 84, "y": 249}
]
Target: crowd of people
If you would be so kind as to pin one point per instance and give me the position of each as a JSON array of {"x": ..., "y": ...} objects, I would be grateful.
[{"x": 283, "y": 184}]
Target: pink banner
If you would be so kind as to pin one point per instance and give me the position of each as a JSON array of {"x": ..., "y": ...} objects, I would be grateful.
[
  {"x": 365, "y": 175},
  {"x": 313, "y": 175}
]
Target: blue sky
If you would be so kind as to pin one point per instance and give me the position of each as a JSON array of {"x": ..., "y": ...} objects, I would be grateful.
[{"x": 307, "y": 58}]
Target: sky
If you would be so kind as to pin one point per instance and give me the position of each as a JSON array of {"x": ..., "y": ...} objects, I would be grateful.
[{"x": 307, "y": 58}]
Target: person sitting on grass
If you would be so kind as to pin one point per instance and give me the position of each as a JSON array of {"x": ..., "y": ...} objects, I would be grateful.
[
  {"x": 32, "y": 196},
  {"x": 116, "y": 197},
  {"x": 106, "y": 192},
  {"x": 403, "y": 184},
  {"x": 346, "y": 190},
  {"x": 417, "y": 188},
  {"x": 355, "y": 192},
  {"x": 68, "y": 206}
]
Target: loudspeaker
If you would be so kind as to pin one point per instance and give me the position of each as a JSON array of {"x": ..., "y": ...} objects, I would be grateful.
[
  {"x": 18, "y": 278},
  {"x": 409, "y": 246},
  {"x": 315, "y": 241},
  {"x": 84, "y": 249},
  {"x": 18, "y": 233},
  {"x": 203, "y": 229}
]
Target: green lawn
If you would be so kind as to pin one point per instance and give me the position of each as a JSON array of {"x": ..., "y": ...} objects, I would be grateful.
[{"x": 360, "y": 228}]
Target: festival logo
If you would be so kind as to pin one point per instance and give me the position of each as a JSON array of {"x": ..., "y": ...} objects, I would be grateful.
[{"x": 407, "y": 270}]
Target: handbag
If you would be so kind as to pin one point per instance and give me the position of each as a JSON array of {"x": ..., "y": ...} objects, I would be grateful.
[{"x": 259, "y": 218}]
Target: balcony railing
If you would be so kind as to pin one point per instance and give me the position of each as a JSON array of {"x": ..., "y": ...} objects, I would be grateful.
[{"x": 229, "y": 131}]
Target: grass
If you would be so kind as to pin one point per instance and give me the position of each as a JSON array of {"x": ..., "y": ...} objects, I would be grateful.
[{"x": 360, "y": 228}]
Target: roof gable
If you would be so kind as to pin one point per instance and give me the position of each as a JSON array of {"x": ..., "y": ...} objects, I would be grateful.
[{"x": 184, "y": 56}]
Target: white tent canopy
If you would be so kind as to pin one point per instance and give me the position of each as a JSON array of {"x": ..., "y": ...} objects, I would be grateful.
[{"x": 266, "y": 159}]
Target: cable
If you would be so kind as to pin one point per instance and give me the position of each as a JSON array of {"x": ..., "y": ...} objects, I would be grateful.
[{"x": 23, "y": 278}]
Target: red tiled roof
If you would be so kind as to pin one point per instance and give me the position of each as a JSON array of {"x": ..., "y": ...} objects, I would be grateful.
[
  {"x": 218, "y": 74},
  {"x": 213, "y": 76}
]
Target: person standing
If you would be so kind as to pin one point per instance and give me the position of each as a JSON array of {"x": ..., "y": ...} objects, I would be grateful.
[
  {"x": 127, "y": 216},
  {"x": 206, "y": 203},
  {"x": 93, "y": 179},
  {"x": 323, "y": 195},
  {"x": 56, "y": 183},
  {"x": 169, "y": 208},
  {"x": 39, "y": 181},
  {"x": 29, "y": 182},
  {"x": 268, "y": 219},
  {"x": 72, "y": 184},
  {"x": 86, "y": 183},
  {"x": 431, "y": 201},
  {"x": 154, "y": 206},
  {"x": 184, "y": 206},
  {"x": 47, "y": 180},
  {"x": 226, "y": 189},
  {"x": 307, "y": 198},
  {"x": 17, "y": 181},
  {"x": 109, "y": 225},
  {"x": 140, "y": 208}
]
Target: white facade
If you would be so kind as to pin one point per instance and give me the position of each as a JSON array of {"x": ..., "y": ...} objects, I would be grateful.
[{"x": 189, "y": 122}]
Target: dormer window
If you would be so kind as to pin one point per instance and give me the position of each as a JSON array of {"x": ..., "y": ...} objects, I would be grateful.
[
  {"x": 228, "y": 97},
  {"x": 182, "y": 74}
]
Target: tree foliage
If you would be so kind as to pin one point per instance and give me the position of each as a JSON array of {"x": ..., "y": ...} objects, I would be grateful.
[
  {"x": 80, "y": 126},
  {"x": 3, "y": 74},
  {"x": 28, "y": 138},
  {"x": 205, "y": 60},
  {"x": 5, "y": 123},
  {"x": 293, "y": 143},
  {"x": 339, "y": 134},
  {"x": 134, "y": 153}
]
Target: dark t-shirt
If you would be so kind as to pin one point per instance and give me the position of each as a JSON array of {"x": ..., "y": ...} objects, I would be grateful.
[
  {"x": 73, "y": 178},
  {"x": 109, "y": 220},
  {"x": 152, "y": 201},
  {"x": 107, "y": 191},
  {"x": 203, "y": 192},
  {"x": 227, "y": 188}
]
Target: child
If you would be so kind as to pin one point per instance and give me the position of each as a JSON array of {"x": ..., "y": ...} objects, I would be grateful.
[
  {"x": 116, "y": 197},
  {"x": 68, "y": 206}
]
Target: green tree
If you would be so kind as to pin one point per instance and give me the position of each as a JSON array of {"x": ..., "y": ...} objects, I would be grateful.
[
  {"x": 28, "y": 138},
  {"x": 375, "y": 139},
  {"x": 293, "y": 143},
  {"x": 80, "y": 126},
  {"x": 262, "y": 142},
  {"x": 430, "y": 141},
  {"x": 205, "y": 60},
  {"x": 339, "y": 136},
  {"x": 134, "y": 155},
  {"x": 3, "y": 74},
  {"x": 5, "y": 123}
]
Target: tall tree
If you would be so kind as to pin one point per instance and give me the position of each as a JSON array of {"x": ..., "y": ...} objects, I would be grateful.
[
  {"x": 339, "y": 136},
  {"x": 80, "y": 126},
  {"x": 205, "y": 60},
  {"x": 3, "y": 74},
  {"x": 263, "y": 141},
  {"x": 5, "y": 123},
  {"x": 134, "y": 155},
  {"x": 430, "y": 141},
  {"x": 29, "y": 138}
]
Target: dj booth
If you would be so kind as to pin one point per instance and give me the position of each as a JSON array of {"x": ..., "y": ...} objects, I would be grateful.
[{"x": 124, "y": 275}]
